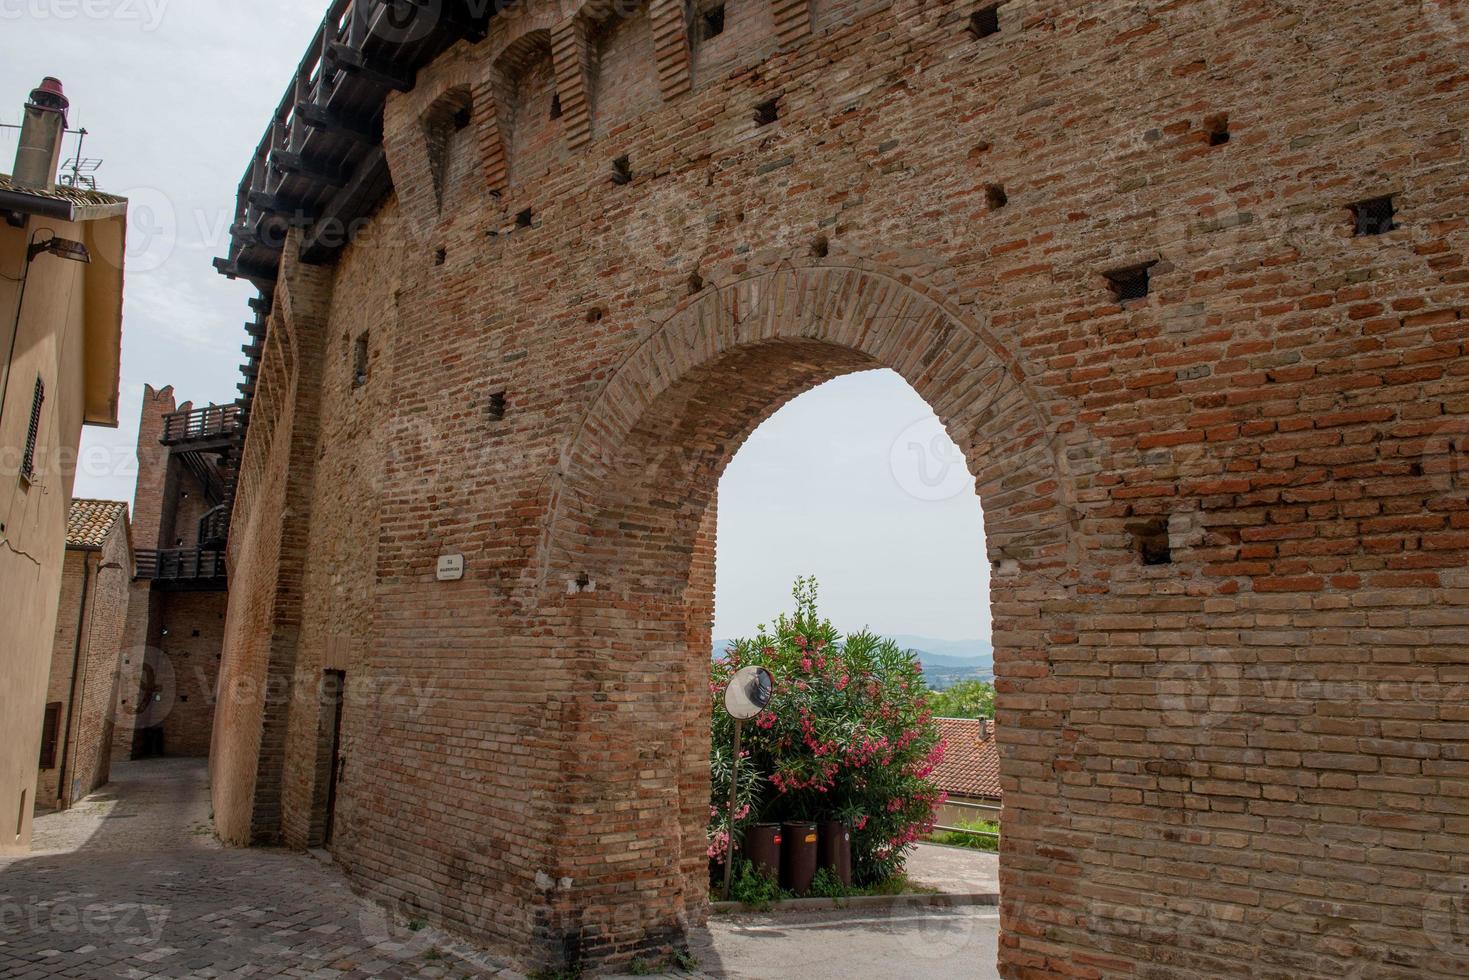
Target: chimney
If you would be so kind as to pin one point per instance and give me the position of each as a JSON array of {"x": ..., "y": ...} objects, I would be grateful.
[{"x": 39, "y": 153}]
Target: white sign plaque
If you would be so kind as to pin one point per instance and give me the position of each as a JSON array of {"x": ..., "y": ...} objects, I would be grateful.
[{"x": 451, "y": 568}]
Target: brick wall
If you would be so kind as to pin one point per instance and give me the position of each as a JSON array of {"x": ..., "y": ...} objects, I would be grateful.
[
  {"x": 84, "y": 679},
  {"x": 194, "y": 622},
  {"x": 1260, "y": 740}
]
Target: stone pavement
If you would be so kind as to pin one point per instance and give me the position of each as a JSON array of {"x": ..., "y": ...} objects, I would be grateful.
[
  {"x": 131, "y": 884},
  {"x": 955, "y": 870},
  {"x": 911, "y": 943}
]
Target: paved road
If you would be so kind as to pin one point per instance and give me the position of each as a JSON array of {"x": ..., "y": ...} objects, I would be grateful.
[
  {"x": 913, "y": 944},
  {"x": 130, "y": 883}
]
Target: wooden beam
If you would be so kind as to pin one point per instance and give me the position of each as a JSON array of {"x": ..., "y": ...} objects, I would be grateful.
[
  {"x": 368, "y": 184},
  {"x": 295, "y": 211},
  {"x": 369, "y": 69},
  {"x": 295, "y": 163},
  {"x": 234, "y": 269},
  {"x": 324, "y": 119}
]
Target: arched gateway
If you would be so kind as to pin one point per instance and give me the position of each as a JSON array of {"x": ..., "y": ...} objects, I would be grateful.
[
  {"x": 1183, "y": 281},
  {"x": 628, "y": 552}
]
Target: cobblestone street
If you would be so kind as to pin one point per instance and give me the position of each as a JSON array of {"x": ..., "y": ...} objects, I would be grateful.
[{"x": 130, "y": 883}]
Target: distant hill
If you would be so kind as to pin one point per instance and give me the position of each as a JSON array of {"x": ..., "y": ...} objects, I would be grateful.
[{"x": 945, "y": 662}]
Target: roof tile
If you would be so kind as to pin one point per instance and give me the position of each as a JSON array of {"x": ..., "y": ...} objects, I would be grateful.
[
  {"x": 971, "y": 765},
  {"x": 91, "y": 521}
]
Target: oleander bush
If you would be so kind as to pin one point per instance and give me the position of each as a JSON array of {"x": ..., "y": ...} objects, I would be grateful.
[{"x": 848, "y": 736}]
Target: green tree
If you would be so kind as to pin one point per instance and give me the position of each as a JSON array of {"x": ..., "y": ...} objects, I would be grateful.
[{"x": 966, "y": 699}]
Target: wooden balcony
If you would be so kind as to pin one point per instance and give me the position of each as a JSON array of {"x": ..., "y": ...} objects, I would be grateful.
[
  {"x": 202, "y": 429},
  {"x": 190, "y": 569}
]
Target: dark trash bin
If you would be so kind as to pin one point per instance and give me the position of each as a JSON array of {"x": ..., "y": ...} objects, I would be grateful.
[
  {"x": 762, "y": 847},
  {"x": 836, "y": 850},
  {"x": 797, "y": 856}
]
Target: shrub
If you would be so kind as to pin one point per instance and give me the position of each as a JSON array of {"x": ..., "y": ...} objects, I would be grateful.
[
  {"x": 848, "y": 736},
  {"x": 966, "y": 699}
]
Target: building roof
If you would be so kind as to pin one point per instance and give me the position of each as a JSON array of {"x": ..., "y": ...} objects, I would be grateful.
[
  {"x": 91, "y": 521},
  {"x": 102, "y": 228},
  {"x": 971, "y": 765},
  {"x": 67, "y": 203}
]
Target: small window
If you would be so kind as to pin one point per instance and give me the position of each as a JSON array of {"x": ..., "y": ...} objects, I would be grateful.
[
  {"x": 1132, "y": 283},
  {"x": 28, "y": 459},
  {"x": 621, "y": 171},
  {"x": 1217, "y": 128},
  {"x": 985, "y": 22},
  {"x": 556, "y": 105},
  {"x": 360, "y": 355},
  {"x": 497, "y": 406},
  {"x": 1375, "y": 216},
  {"x": 711, "y": 22},
  {"x": 50, "y": 735},
  {"x": 767, "y": 112},
  {"x": 1150, "y": 539}
]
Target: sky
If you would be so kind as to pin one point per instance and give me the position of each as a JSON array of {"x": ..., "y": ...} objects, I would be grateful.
[{"x": 854, "y": 482}]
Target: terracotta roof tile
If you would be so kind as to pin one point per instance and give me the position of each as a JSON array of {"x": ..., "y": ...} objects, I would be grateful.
[
  {"x": 971, "y": 765},
  {"x": 71, "y": 195},
  {"x": 90, "y": 521}
]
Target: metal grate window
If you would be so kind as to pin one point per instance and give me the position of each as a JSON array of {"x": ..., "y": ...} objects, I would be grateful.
[
  {"x": 361, "y": 359},
  {"x": 985, "y": 22},
  {"x": 712, "y": 22},
  {"x": 50, "y": 735},
  {"x": 1375, "y": 216},
  {"x": 1131, "y": 283},
  {"x": 28, "y": 460}
]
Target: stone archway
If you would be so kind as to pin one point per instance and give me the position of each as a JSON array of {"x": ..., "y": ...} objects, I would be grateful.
[{"x": 626, "y": 561}]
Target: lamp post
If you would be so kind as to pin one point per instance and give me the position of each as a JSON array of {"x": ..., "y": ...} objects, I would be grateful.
[{"x": 749, "y": 693}]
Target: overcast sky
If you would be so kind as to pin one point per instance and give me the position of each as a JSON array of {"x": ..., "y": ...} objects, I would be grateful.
[{"x": 854, "y": 482}]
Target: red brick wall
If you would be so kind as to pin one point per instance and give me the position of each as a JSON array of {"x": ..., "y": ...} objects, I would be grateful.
[
  {"x": 194, "y": 622},
  {"x": 1260, "y": 740},
  {"x": 148, "y": 494}
]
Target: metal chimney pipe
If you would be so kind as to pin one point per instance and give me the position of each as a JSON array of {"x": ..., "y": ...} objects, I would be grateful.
[{"x": 39, "y": 153}]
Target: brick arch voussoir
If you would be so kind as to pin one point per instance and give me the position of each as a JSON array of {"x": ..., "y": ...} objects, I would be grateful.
[{"x": 1016, "y": 455}]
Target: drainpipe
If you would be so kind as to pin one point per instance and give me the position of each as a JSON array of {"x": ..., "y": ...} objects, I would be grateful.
[{"x": 63, "y": 798}]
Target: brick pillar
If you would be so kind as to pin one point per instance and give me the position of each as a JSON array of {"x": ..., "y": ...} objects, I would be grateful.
[
  {"x": 489, "y": 133},
  {"x": 573, "y": 87},
  {"x": 671, "y": 47},
  {"x": 305, "y": 304},
  {"x": 792, "y": 20},
  {"x": 148, "y": 496}
]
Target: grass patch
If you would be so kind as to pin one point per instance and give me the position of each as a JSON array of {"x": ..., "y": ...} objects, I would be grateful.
[
  {"x": 757, "y": 892},
  {"x": 978, "y": 842}
]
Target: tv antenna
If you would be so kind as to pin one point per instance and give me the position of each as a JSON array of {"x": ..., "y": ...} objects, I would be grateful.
[{"x": 81, "y": 172}]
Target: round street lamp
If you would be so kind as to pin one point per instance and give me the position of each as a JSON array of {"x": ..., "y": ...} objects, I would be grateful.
[{"x": 749, "y": 693}]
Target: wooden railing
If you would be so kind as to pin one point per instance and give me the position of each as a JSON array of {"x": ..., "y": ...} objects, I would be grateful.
[
  {"x": 190, "y": 565},
  {"x": 211, "y": 422},
  {"x": 214, "y": 527}
]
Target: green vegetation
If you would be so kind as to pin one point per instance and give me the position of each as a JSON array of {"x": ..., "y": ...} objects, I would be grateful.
[
  {"x": 758, "y": 892},
  {"x": 753, "y": 888},
  {"x": 848, "y": 736},
  {"x": 967, "y": 699},
  {"x": 977, "y": 841}
]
